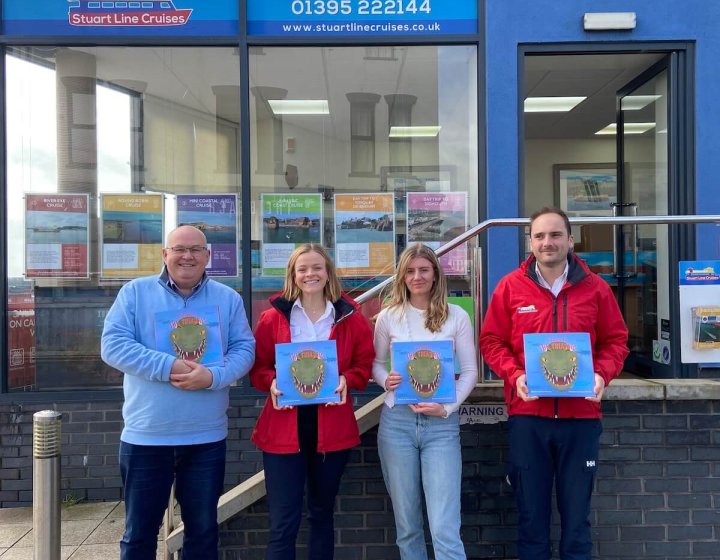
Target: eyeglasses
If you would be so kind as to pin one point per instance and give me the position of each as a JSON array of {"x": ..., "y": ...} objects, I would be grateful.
[{"x": 194, "y": 250}]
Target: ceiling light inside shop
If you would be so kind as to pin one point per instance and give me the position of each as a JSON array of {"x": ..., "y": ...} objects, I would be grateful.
[
  {"x": 637, "y": 102},
  {"x": 299, "y": 106},
  {"x": 414, "y": 131},
  {"x": 629, "y": 128},
  {"x": 551, "y": 104}
]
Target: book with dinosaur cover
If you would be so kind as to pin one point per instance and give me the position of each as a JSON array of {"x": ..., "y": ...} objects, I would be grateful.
[
  {"x": 559, "y": 365},
  {"x": 427, "y": 369},
  {"x": 307, "y": 372},
  {"x": 190, "y": 334}
]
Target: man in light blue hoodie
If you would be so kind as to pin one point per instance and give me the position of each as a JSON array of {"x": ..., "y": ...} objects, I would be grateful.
[{"x": 181, "y": 339}]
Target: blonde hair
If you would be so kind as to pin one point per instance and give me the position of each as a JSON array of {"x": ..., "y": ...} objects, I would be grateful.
[
  {"x": 291, "y": 291},
  {"x": 437, "y": 312}
]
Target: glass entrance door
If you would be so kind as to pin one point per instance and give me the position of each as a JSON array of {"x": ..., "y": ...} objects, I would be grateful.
[{"x": 642, "y": 260}]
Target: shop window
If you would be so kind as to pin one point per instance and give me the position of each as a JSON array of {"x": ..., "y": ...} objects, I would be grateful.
[
  {"x": 89, "y": 126},
  {"x": 362, "y": 129}
]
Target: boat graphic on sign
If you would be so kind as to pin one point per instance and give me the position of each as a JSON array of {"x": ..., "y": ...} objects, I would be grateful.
[{"x": 124, "y": 13}]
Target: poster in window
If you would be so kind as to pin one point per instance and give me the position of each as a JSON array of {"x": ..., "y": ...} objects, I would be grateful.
[
  {"x": 131, "y": 235},
  {"x": 216, "y": 216},
  {"x": 307, "y": 372},
  {"x": 56, "y": 235},
  {"x": 364, "y": 234},
  {"x": 434, "y": 218},
  {"x": 559, "y": 365},
  {"x": 288, "y": 220}
]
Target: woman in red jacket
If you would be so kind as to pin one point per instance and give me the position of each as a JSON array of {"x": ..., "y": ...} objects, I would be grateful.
[{"x": 309, "y": 444}]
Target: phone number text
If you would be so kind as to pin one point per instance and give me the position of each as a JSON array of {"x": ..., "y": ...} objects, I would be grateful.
[{"x": 360, "y": 7}]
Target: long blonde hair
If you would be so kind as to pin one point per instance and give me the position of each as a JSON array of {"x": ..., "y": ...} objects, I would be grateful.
[
  {"x": 291, "y": 291},
  {"x": 437, "y": 312}
]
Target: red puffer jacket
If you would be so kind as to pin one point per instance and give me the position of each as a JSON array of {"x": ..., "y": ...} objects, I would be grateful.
[
  {"x": 276, "y": 431},
  {"x": 521, "y": 305}
]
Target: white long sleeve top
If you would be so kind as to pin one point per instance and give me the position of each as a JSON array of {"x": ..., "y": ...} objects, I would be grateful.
[{"x": 408, "y": 323}]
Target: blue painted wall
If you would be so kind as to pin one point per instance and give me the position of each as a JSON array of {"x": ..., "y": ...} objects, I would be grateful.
[{"x": 510, "y": 23}]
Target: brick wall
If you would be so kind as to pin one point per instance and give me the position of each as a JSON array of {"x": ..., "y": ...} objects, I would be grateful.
[{"x": 657, "y": 492}]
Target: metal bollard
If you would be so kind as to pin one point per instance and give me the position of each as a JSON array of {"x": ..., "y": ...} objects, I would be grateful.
[{"x": 46, "y": 484}]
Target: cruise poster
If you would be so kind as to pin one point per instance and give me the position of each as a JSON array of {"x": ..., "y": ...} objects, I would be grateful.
[
  {"x": 364, "y": 234},
  {"x": 56, "y": 235},
  {"x": 434, "y": 218},
  {"x": 131, "y": 235},
  {"x": 216, "y": 216},
  {"x": 288, "y": 220}
]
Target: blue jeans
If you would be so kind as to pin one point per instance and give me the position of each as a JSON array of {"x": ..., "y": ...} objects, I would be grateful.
[
  {"x": 148, "y": 472},
  {"x": 285, "y": 478},
  {"x": 421, "y": 454}
]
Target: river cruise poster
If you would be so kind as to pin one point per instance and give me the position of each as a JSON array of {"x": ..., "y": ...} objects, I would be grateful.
[
  {"x": 131, "y": 237},
  {"x": 434, "y": 218},
  {"x": 56, "y": 235},
  {"x": 216, "y": 216},
  {"x": 288, "y": 220},
  {"x": 364, "y": 234}
]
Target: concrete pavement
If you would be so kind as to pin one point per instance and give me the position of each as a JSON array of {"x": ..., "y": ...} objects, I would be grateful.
[{"x": 88, "y": 532}]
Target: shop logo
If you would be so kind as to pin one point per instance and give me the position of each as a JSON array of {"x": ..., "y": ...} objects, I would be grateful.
[
  {"x": 707, "y": 273},
  {"x": 126, "y": 13}
]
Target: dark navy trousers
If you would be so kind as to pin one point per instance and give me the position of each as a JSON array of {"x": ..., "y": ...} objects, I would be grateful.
[
  {"x": 286, "y": 476},
  {"x": 562, "y": 451}
]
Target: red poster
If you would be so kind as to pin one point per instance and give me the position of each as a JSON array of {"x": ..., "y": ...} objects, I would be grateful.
[
  {"x": 21, "y": 340},
  {"x": 56, "y": 235}
]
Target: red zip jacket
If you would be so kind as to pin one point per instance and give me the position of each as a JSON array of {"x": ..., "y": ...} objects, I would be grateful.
[
  {"x": 276, "y": 431},
  {"x": 521, "y": 305}
]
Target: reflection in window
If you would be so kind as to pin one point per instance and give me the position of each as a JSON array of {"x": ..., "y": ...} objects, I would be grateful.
[
  {"x": 88, "y": 121},
  {"x": 362, "y": 131},
  {"x": 348, "y": 150}
]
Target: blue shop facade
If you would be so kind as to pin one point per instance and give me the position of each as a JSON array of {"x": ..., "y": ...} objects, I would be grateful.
[{"x": 270, "y": 123}]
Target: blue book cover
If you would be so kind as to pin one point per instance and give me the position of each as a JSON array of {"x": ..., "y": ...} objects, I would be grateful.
[
  {"x": 559, "y": 365},
  {"x": 307, "y": 372},
  {"x": 427, "y": 369},
  {"x": 190, "y": 334}
]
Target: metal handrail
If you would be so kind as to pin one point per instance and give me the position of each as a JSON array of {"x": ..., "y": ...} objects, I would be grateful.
[{"x": 515, "y": 222}]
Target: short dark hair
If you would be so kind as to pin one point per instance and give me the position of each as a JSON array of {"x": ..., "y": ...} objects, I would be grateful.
[{"x": 551, "y": 210}]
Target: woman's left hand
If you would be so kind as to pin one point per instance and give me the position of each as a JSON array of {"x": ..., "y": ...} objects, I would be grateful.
[
  {"x": 342, "y": 389},
  {"x": 428, "y": 409}
]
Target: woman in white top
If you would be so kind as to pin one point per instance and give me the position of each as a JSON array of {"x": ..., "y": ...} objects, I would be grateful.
[{"x": 419, "y": 444}]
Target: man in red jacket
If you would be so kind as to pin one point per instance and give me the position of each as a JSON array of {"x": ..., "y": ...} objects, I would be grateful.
[{"x": 552, "y": 440}]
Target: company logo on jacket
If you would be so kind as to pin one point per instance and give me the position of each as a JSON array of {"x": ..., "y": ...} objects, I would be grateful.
[{"x": 527, "y": 309}]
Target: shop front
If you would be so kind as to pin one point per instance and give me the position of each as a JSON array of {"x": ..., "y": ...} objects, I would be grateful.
[{"x": 364, "y": 126}]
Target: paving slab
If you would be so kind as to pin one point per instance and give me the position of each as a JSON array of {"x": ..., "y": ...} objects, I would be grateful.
[
  {"x": 108, "y": 532},
  {"x": 12, "y": 534},
  {"x": 90, "y": 510},
  {"x": 27, "y": 553},
  {"x": 16, "y": 515},
  {"x": 71, "y": 532},
  {"x": 97, "y": 551}
]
